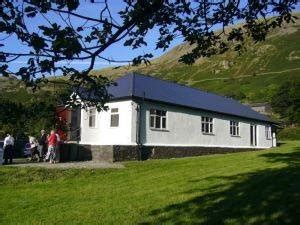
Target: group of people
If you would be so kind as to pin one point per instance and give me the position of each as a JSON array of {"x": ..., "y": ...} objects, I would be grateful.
[{"x": 46, "y": 147}]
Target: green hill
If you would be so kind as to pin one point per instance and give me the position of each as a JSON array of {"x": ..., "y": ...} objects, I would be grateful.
[{"x": 250, "y": 77}]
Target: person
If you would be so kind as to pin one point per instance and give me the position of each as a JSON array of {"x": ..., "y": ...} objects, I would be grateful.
[
  {"x": 8, "y": 147},
  {"x": 52, "y": 142},
  {"x": 33, "y": 148},
  {"x": 42, "y": 141},
  {"x": 57, "y": 147}
]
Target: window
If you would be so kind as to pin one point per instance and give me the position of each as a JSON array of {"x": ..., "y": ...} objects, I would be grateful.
[
  {"x": 268, "y": 132},
  {"x": 207, "y": 125},
  {"x": 158, "y": 119},
  {"x": 92, "y": 117},
  {"x": 114, "y": 117},
  {"x": 234, "y": 128}
]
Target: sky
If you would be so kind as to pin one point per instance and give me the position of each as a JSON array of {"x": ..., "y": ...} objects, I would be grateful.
[{"x": 117, "y": 51}]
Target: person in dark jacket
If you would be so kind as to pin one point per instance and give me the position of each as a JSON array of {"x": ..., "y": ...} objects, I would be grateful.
[{"x": 42, "y": 147}]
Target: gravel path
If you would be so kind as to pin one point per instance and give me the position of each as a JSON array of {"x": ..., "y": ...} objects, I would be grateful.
[{"x": 67, "y": 165}]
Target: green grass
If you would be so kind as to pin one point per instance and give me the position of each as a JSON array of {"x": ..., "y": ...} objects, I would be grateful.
[{"x": 260, "y": 187}]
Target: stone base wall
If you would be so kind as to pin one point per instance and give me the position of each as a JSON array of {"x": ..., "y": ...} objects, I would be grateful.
[
  {"x": 108, "y": 153},
  {"x": 113, "y": 153},
  {"x": 166, "y": 152},
  {"x": 126, "y": 152},
  {"x": 102, "y": 153},
  {"x": 74, "y": 152}
]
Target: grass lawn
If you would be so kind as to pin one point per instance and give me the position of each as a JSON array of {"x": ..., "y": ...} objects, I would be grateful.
[{"x": 243, "y": 188}]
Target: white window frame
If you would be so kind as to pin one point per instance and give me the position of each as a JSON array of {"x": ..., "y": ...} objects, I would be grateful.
[
  {"x": 92, "y": 114},
  {"x": 158, "y": 115},
  {"x": 268, "y": 132},
  {"x": 207, "y": 125},
  {"x": 234, "y": 128},
  {"x": 114, "y": 111}
]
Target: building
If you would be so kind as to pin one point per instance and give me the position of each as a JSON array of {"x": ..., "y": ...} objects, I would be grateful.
[
  {"x": 263, "y": 108},
  {"x": 153, "y": 118}
]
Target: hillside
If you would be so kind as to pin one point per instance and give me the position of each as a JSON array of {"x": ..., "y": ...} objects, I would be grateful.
[{"x": 250, "y": 77}]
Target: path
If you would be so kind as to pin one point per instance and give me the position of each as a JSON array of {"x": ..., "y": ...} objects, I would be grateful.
[{"x": 67, "y": 165}]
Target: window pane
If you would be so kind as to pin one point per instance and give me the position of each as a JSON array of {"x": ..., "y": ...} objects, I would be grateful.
[
  {"x": 157, "y": 122},
  {"x": 114, "y": 110},
  {"x": 152, "y": 121},
  {"x": 114, "y": 120},
  {"x": 152, "y": 111},
  {"x": 211, "y": 128},
  {"x": 92, "y": 121},
  {"x": 164, "y": 122},
  {"x": 206, "y": 128},
  {"x": 92, "y": 117},
  {"x": 92, "y": 111},
  {"x": 163, "y": 113}
]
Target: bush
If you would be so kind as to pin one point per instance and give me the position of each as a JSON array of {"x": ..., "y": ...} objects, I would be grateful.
[
  {"x": 286, "y": 102},
  {"x": 289, "y": 133}
]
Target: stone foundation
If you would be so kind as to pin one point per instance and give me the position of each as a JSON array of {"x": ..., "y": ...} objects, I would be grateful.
[
  {"x": 75, "y": 152},
  {"x": 126, "y": 152},
  {"x": 113, "y": 153},
  {"x": 166, "y": 152}
]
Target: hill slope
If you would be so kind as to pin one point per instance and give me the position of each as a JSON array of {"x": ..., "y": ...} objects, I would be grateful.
[{"x": 250, "y": 77}]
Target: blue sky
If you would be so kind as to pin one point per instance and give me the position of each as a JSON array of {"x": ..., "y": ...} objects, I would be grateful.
[{"x": 116, "y": 51}]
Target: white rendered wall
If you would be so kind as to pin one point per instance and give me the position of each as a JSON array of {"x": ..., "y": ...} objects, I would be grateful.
[
  {"x": 184, "y": 129},
  {"x": 103, "y": 134}
]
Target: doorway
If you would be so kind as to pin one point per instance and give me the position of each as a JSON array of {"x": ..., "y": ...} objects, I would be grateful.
[{"x": 253, "y": 138}]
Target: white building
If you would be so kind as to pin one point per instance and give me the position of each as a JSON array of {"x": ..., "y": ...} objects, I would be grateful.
[{"x": 146, "y": 112}]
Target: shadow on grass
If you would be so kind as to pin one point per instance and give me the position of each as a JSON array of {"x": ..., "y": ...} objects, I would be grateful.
[{"x": 270, "y": 196}]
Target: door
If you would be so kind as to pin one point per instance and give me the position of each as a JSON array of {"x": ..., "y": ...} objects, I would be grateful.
[
  {"x": 75, "y": 124},
  {"x": 253, "y": 138}
]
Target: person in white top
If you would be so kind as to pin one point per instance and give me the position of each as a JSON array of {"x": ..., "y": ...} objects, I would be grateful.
[
  {"x": 33, "y": 147},
  {"x": 8, "y": 147}
]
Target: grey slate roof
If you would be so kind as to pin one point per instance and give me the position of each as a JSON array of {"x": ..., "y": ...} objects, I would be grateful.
[{"x": 149, "y": 88}]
